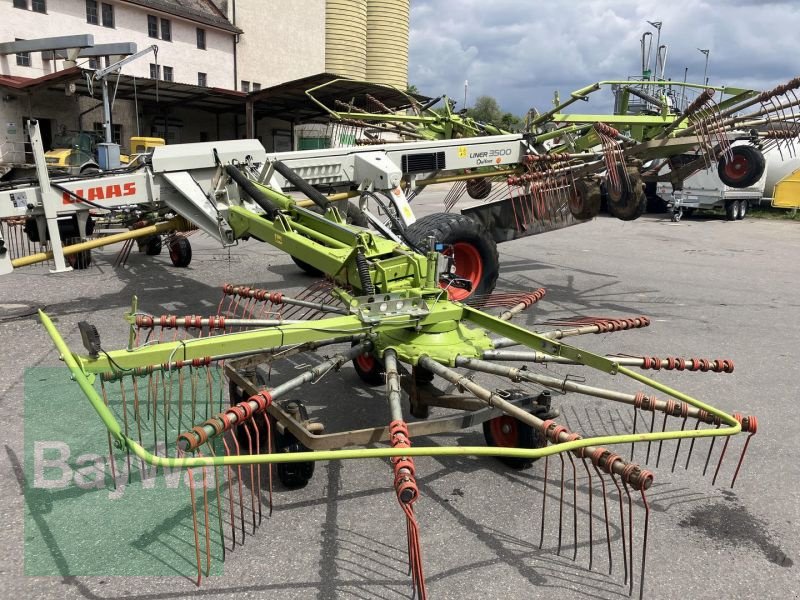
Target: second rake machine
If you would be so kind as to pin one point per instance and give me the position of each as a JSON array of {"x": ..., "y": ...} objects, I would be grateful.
[{"x": 384, "y": 306}]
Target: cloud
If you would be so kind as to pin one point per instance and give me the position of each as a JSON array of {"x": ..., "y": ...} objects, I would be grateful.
[{"x": 521, "y": 51}]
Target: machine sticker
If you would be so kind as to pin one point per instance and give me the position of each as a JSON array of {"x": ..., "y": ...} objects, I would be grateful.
[
  {"x": 487, "y": 157},
  {"x": 19, "y": 199},
  {"x": 462, "y": 152},
  {"x": 101, "y": 192},
  {"x": 278, "y": 239}
]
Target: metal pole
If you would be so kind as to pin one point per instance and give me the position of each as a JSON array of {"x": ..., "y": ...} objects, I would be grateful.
[
  {"x": 393, "y": 385},
  {"x": 705, "y": 51},
  {"x": 50, "y": 202},
  {"x": 496, "y": 401},
  {"x": 106, "y": 113},
  {"x": 104, "y": 241}
]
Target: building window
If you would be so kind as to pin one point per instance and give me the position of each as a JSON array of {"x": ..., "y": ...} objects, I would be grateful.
[
  {"x": 23, "y": 58},
  {"x": 152, "y": 26},
  {"x": 108, "y": 15},
  {"x": 168, "y": 74},
  {"x": 245, "y": 86},
  {"x": 201, "y": 38},
  {"x": 23, "y": 4},
  {"x": 154, "y": 71},
  {"x": 91, "y": 12},
  {"x": 166, "y": 30},
  {"x": 256, "y": 86},
  {"x": 93, "y": 64},
  {"x": 116, "y": 132},
  {"x": 202, "y": 79},
  {"x": 39, "y": 6}
]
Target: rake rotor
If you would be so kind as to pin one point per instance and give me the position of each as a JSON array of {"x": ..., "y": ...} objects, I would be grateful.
[{"x": 215, "y": 411}]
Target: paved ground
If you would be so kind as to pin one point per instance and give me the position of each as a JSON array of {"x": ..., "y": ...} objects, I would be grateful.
[{"x": 712, "y": 288}]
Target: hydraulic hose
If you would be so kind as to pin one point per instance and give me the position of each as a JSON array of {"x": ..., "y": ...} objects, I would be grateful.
[
  {"x": 302, "y": 185},
  {"x": 251, "y": 190}
]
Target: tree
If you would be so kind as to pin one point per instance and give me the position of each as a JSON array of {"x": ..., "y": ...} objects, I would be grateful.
[
  {"x": 510, "y": 122},
  {"x": 411, "y": 89},
  {"x": 487, "y": 110}
]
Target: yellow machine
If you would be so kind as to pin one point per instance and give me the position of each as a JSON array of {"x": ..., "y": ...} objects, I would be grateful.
[
  {"x": 76, "y": 151},
  {"x": 139, "y": 146},
  {"x": 787, "y": 191}
]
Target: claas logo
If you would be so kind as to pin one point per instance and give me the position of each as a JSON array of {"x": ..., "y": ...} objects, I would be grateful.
[{"x": 101, "y": 192}]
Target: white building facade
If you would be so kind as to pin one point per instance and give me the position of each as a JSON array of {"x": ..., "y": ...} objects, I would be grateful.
[{"x": 194, "y": 46}]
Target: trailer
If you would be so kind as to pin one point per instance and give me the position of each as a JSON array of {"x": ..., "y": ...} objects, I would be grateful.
[{"x": 705, "y": 190}]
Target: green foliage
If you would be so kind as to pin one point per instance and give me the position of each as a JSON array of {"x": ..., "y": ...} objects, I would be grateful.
[
  {"x": 487, "y": 110},
  {"x": 510, "y": 122}
]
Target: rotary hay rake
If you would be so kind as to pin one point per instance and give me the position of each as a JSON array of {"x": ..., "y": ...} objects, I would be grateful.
[
  {"x": 163, "y": 402},
  {"x": 661, "y": 130}
]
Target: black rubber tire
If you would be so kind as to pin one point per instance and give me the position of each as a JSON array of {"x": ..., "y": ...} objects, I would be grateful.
[
  {"x": 235, "y": 397},
  {"x": 351, "y": 214},
  {"x": 629, "y": 202},
  {"x": 369, "y": 369},
  {"x": 479, "y": 189},
  {"x": 745, "y": 167},
  {"x": 521, "y": 435},
  {"x": 448, "y": 229},
  {"x": 80, "y": 260},
  {"x": 584, "y": 201},
  {"x": 741, "y": 211},
  {"x": 153, "y": 245},
  {"x": 731, "y": 210},
  {"x": 294, "y": 475},
  {"x": 180, "y": 252}
]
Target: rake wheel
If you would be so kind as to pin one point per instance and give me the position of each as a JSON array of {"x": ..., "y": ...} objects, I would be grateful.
[
  {"x": 293, "y": 475},
  {"x": 507, "y": 432},
  {"x": 584, "y": 200},
  {"x": 472, "y": 247},
  {"x": 742, "y": 168},
  {"x": 627, "y": 200},
  {"x": 479, "y": 189},
  {"x": 180, "y": 252}
]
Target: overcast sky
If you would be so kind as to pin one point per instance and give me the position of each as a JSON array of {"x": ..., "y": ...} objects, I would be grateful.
[{"x": 520, "y": 51}]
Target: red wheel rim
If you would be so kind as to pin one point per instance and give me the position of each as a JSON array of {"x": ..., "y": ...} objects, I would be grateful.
[
  {"x": 505, "y": 432},
  {"x": 365, "y": 362},
  {"x": 736, "y": 167},
  {"x": 469, "y": 265}
]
